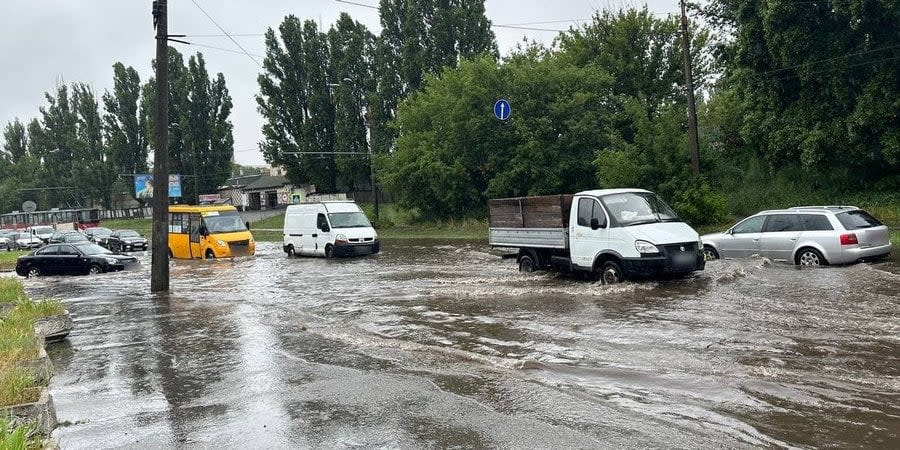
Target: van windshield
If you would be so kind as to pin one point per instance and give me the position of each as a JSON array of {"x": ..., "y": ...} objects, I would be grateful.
[
  {"x": 349, "y": 220},
  {"x": 635, "y": 208},
  {"x": 224, "y": 222}
]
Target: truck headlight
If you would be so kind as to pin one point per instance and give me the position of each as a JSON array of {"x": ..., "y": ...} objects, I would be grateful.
[
  {"x": 375, "y": 237},
  {"x": 340, "y": 238},
  {"x": 220, "y": 243},
  {"x": 645, "y": 247}
]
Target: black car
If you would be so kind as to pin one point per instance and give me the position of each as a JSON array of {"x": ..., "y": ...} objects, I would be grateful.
[
  {"x": 71, "y": 259},
  {"x": 98, "y": 235},
  {"x": 124, "y": 240},
  {"x": 68, "y": 237}
]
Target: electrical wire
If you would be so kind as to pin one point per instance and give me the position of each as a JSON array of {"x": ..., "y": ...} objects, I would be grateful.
[
  {"x": 830, "y": 59},
  {"x": 225, "y": 32},
  {"x": 875, "y": 61}
]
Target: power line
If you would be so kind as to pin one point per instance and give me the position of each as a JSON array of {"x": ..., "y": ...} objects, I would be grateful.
[
  {"x": 225, "y": 32},
  {"x": 874, "y": 61},
  {"x": 214, "y": 47},
  {"x": 830, "y": 59},
  {"x": 357, "y": 4}
]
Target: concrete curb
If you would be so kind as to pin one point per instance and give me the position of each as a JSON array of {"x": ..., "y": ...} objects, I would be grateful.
[
  {"x": 41, "y": 368},
  {"x": 41, "y": 414},
  {"x": 54, "y": 328}
]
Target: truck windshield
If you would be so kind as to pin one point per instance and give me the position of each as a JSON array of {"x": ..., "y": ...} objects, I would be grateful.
[
  {"x": 635, "y": 208},
  {"x": 349, "y": 220},
  {"x": 224, "y": 222}
]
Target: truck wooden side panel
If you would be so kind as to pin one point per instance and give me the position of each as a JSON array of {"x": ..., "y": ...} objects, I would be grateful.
[
  {"x": 553, "y": 238},
  {"x": 547, "y": 211}
]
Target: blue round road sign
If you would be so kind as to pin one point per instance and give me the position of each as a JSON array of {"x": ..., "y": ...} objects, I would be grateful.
[{"x": 502, "y": 109}]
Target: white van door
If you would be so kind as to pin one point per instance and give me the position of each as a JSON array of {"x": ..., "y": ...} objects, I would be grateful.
[
  {"x": 589, "y": 233},
  {"x": 323, "y": 233},
  {"x": 308, "y": 232}
]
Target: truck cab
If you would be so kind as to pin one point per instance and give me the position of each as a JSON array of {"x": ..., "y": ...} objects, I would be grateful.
[{"x": 613, "y": 233}]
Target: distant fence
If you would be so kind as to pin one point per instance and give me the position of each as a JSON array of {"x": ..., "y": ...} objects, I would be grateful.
[
  {"x": 366, "y": 197},
  {"x": 126, "y": 213}
]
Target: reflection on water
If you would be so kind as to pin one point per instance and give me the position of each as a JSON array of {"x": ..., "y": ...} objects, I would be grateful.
[{"x": 448, "y": 345}]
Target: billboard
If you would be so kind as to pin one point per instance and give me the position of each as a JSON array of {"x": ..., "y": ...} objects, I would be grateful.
[{"x": 143, "y": 186}]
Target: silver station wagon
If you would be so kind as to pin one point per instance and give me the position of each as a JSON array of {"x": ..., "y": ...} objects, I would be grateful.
[{"x": 808, "y": 235}]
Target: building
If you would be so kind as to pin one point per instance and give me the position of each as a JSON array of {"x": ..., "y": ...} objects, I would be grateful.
[{"x": 262, "y": 191}]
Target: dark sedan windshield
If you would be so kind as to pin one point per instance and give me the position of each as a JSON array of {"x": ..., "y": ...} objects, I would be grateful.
[
  {"x": 129, "y": 234},
  {"x": 635, "y": 208},
  {"x": 92, "y": 249}
]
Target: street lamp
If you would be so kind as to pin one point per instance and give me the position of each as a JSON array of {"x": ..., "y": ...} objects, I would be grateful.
[{"x": 368, "y": 142}]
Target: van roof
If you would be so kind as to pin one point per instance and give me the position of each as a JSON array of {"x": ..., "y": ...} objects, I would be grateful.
[
  {"x": 200, "y": 208},
  {"x": 599, "y": 192}
]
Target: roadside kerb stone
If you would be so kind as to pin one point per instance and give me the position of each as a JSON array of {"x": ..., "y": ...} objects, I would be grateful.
[
  {"x": 54, "y": 328},
  {"x": 40, "y": 413}
]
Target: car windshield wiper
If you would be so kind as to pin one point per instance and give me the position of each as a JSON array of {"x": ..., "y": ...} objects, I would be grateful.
[
  {"x": 674, "y": 219},
  {"x": 643, "y": 222}
]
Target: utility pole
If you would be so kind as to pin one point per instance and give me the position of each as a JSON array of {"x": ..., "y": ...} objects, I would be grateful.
[
  {"x": 371, "y": 163},
  {"x": 689, "y": 86},
  {"x": 159, "y": 269}
]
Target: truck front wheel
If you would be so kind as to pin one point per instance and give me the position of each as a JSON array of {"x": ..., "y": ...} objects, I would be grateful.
[
  {"x": 611, "y": 272},
  {"x": 526, "y": 264}
]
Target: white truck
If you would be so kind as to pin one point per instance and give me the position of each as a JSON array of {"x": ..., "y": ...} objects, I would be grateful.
[{"x": 613, "y": 233}]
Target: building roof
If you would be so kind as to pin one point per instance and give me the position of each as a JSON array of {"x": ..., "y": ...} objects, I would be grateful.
[
  {"x": 267, "y": 182},
  {"x": 239, "y": 182}
]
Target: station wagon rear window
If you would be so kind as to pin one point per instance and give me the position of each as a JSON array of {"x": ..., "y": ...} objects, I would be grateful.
[{"x": 854, "y": 220}]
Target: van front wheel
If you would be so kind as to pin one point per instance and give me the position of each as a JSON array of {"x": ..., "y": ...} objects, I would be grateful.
[
  {"x": 611, "y": 273},
  {"x": 329, "y": 251},
  {"x": 290, "y": 251}
]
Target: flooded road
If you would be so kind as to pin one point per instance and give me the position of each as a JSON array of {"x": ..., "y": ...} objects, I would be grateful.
[{"x": 433, "y": 345}]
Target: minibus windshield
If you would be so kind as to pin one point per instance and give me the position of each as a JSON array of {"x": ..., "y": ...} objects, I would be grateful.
[
  {"x": 349, "y": 220},
  {"x": 224, "y": 222},
  {"x": 635, "y": 208}
]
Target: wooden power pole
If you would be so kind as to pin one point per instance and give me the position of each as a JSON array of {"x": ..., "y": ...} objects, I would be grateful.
[
  {"x": 159, "y": 269},
  {"x": 689, "y": 86}
]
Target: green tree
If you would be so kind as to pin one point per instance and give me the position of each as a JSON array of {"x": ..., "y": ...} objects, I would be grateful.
[
  {"x": 15, "y": 141},
  {"x": 351, "y": 46},
  {"x": 126, "y": 138},
  {"x": 296, "y": 102}
]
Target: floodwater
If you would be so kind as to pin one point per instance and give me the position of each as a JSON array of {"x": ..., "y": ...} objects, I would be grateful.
[{"x": 447, "y": 345}]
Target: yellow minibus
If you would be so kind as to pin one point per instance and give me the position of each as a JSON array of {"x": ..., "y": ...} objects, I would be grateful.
[{"x": 207, "y": 232}]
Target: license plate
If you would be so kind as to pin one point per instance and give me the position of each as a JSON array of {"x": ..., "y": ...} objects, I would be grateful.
[{"x": 683, "y": 259}]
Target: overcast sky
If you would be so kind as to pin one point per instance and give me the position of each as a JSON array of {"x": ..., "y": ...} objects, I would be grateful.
[{"x": 45, "y": 43}]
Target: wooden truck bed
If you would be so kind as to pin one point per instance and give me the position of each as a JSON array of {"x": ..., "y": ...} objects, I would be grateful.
[{"x": 535, "y": 222}]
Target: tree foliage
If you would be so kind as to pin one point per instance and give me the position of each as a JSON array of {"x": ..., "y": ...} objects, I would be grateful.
[{"x": 82, "y": 150}]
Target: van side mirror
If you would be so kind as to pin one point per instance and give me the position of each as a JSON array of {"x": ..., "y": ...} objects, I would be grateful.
[
  {"x": 595, "y": 224},
  {"x": 247, "y": 224},
  {"x": 325, "y": 228}
]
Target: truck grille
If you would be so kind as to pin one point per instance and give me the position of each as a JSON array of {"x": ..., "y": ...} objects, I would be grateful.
[{"x": 678, "y": 254}]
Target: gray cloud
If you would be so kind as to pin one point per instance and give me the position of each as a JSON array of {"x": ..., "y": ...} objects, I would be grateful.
[{"x": 45, "y": 43}]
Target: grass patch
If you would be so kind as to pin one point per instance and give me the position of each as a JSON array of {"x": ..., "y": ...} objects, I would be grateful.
[
  {"x": 29, "y": 311},
  {"x": 16, "y": 438},
  {"x": 274, "y": 222},
  {"x": 8, "y": 259},
  {"x": 142, "y": 226},
  {"x": 11, "y": 290},
  {"x": 17, "y": 387},
  {"x": 18, "y": 343}
]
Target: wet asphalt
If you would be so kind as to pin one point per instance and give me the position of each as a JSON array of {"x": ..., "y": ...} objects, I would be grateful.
[{"x": 433, "y": 344}]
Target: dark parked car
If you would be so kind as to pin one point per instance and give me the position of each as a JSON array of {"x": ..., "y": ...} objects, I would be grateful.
[
  {"x": 67, "y": 236},
  {"x": 124, "y": 240},
  {"x": 98, "y": 235},
  {"x": 71, "y": 259}
]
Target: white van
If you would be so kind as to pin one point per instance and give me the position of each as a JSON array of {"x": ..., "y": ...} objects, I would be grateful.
[{"x": 328, "y": 229}]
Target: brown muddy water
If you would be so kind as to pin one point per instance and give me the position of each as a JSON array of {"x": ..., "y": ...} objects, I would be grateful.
[{"x": 434, "y": 345}]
